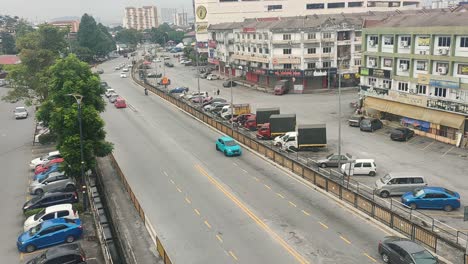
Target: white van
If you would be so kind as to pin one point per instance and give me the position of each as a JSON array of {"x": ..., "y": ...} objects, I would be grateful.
[
  {"x": 51, "y": 212},
  {"x": 398, "y": 184},
  {"x": 360, "y": 167}
]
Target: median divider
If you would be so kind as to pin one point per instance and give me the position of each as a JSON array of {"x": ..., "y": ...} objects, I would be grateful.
[
  {"x": 364, "y": 200},
  {"x": 141, "y": 212}
]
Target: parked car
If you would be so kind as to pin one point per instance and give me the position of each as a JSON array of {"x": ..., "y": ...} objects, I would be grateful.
[
  {"x": 49, "y": 233},
  {"x": 370, "y": 124},
  {"x": 120, "y": 103},
  {"x": 332, "y": 160},
  {"x": 154, "y": 75},
  {"x": 125, "y": 69},
  {"x": 240, "y": 119},
  {"x": 100, "y": 71},
  {"x": 203, "y": 75},
  {"x": 113, "y": 97},
  {"x": 109, "y": 92},
  {"x": 179, "y": 90},
  {"x": 228, "y": 146},
  {"x": 43, "y": 175},
  {"x": 44, "y": 159},
  {"x": 201, "y": 98},
  {"x": 229, "y": 83},
  {"x": 355, "y": 120},
  {"x": 401, "y": 134},
  {"x": 360, "y": 167},
  {"x": 123, "y": 75},
  {"x": 117, "y": 68},
  {"x": 212, "y": 76},
  {"x": 217, "y": 107},
  {"x": 67, "y": 253},
  {"x": 215, "y": 100},
  {"x": 168, "y": 64},
  {"x": 432, "y": 198},
  {"x": 399, "y": 250},
  {"x": 55, "y": 180},
  {"x": 20, "y": 112},
  {"x": 157, "y": 60},
  {"x": 51, "y": 212},
  {"x": 44, "y": 167},
  {"x": 398, "y": 184},
  {"x": 194, "y": 94},
  {"x": 49, "y": 199}
]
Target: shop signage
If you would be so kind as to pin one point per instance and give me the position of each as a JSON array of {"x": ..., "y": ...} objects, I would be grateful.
[
  {"x": 364, "y": 71},
  {"x": 201, "y": 28},
  {"x": 320, "y": 73},
  {"x": 249, "y": 30},
  {"x": 379, "y": 73},
  {"x": 201, "y": 12},
  {"x": 445, "y": 82},
  {"x": 448, "y": 106},
  {"x": 286, "y": 73},
  {"x": 424, "y": 41},
  {"x": 259, "y": 71},
  {"x": 407, "y": 98},
  {"x": 213, "y": 61},
  {"x": 423, "y": 78}
]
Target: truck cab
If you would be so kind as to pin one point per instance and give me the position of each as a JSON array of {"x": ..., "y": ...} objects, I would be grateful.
[
  {"x": 282, "y": 87},
  {"x": 282, "y": 140},
  {"x": 251, "y": 123},
  {"x": 264, "y": 132}
]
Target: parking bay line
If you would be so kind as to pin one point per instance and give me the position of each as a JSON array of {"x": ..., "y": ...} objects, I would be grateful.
[
  {"x": 428, "y": 145},
  {"x": 447, "y": 151}
]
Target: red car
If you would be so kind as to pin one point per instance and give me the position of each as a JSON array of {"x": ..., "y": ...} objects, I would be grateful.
[
  {"x": 120, "y": 103},
  {"x": 45, "y": 167}
]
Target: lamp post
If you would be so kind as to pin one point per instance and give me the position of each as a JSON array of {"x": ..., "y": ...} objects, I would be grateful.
[
  {"x": 339, "y": 111},
  {"x": 198, "y": 76},
  {"x": 79, "y": 99}
]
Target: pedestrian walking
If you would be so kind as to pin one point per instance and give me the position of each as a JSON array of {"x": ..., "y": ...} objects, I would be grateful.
[
  {"x": 206, "y": 93},
  {"x": 217, "y": 92}
]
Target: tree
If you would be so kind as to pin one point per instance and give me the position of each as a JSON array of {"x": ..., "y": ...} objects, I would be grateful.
[
  {"x": 129, "y": 36},
  {"x": 94, "y": 37},
  {"x": 8, "y": 43},
  {"x": 38, "y": 51},
  {"x": 175, "y": 36},
  {"x": 165, "y": 28},
  {"x": 60, "y": 112}
]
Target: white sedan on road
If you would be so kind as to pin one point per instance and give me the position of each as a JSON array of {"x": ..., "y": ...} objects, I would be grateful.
[
  {"x": 212, "y": 77},
  {"x": 123, "y": 75}
]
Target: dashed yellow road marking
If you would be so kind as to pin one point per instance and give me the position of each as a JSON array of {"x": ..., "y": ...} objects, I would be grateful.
[
  {"x": 233, "y": 255},
  {"x": 280, "y": 195},
  {"x": 178, "y": 189},
  {"x": 165, "y": 173},
  {"x": 219, "y": 238},
  {"x": 207, "y": 224},
  {"x": 172, "y": 181},
  {"x": 267, "y": 186},
  {"x": 306, "y": 213},
  {"x": 371, "y": 258},
  {"x": 324, "y": 225},
  {"x": 188, "y": 200},
  {"x": 345, "y": 240},
  {"x": 293, "y": 204},
  {"x": 197, "y": 212}
]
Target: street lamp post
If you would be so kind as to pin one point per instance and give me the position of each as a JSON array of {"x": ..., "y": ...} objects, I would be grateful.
[
  {"x": 339, "y": 111},
  {"x": 198, "y": 77},
  {"x": 79, "y": 99}
]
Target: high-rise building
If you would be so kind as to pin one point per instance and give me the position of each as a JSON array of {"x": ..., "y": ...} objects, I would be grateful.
[
  {"x": 208, "y": 12},
  {"x": 180, "y": 19},
  {"x": 145, "y": 17},
  {"x": 167, "y": 15}
]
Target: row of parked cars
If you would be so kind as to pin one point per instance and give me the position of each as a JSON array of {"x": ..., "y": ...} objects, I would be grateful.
[
  {"x": 372, "y": 124},
  {"x": 52, "y": 218}
]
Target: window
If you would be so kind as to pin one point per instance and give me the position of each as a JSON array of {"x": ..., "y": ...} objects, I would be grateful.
[
  {"x": 326, "y": 49},
  {"x": 421, "y": 89},
  {"x": 48, "y": 216},
  {"x": 286, "y": 51},
  {"x": 259, "y": 36},
  {"x": 355, "y": 4},
  {"x": 444, "y": 42},
  {"x": 287, "y": 66},
  {"x": 274, "y": 7},
  {"x": 286, "y": 36},
  {"x": 388, "y": 40},
  {"x": 464, "y": 42},
  {"x": 462, "y": 69},
  {"x": 311, "y": 65},
  {"x": 402, "y": 86},
  {"x": 440, "y": 92},
  {"x": 311, "y": 36},
  {"x": 254, "y": 36},
  {"x": 387, "y": 62},
  {"x": 248, "y": 49},
  {"x": 404, "y": 65},
  {"x": 421, "y": 65},
  {"x": 238, "y": 48},
  {"x": 372, "y": 81},
  {"x": 243, "y": 36},
  {"x": 357, "y": 62},
  {"x": 326, "y": 64},
  {"x": 243, "y": 48},
  {"x": 254, "y": 49},
  {"x": 418, "y": 180},
  {"x": 326, "y": 35},
  {"x": 248, "y": 36},
  {"x": 311, "y": 51},
  {"x": 267, "y": 51},
  {"x": 373, "y": 41},
  {"x": 336, "y": 5},
  {"x": 315, "y": 6},
  {"x": 405, "y": 41},
  {"x": 366, "y": 165},
  {"x": 357, "y": 48},
  {"x": 62, "y": 214},
  {"x": 260, "y": 50},
  {"x": 387, "y": 84}
]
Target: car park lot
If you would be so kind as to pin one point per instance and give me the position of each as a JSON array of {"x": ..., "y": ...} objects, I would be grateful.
[{"x": 441, "y": 164}]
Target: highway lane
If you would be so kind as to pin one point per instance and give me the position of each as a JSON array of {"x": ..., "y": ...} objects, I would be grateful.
[{"x": 245, "y": 207}]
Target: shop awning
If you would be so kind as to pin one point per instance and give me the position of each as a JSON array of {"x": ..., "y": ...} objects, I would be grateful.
[{"x": 415, "y": 112}]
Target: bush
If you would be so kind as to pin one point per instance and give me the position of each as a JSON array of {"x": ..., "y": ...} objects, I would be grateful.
[
  {"x": 76, "y": 206},
  {"x": 47, "y": 138}
]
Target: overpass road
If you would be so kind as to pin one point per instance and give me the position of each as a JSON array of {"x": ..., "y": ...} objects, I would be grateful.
[{"x": 211, "y": 209}]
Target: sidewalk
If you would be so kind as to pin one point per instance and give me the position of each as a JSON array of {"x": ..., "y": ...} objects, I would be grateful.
[{"x": 135, "y": 239}]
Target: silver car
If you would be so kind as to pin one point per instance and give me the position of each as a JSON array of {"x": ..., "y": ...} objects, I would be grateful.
[
  {"x": 20, "y": 112},
  {"x": 55, "y": 181}
]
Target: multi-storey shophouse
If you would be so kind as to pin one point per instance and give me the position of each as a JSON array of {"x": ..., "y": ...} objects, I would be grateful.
[{"x": 415, "y": 71}]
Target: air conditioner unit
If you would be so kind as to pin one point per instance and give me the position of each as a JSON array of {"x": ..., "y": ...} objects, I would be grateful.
[
  {"x": 372, "y": 63},
  {"x": 412, "y": 91},
  {"x": 403, "y": 67},
  {"x": 404, "y": 44},
  {"x": 442, "y": 70},
  {"x": 371, "y": 43},
  {"x": 443, "y": 51},
  {"x": 372, "y": 84},
  {"x": 386, "y": 85}
]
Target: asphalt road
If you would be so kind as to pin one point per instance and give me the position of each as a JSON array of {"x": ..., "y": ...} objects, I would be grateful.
[
  {"x": 442, "y": 164},
  {"x": 15, "y": 155},
  {"x": 211, "y": 209}
]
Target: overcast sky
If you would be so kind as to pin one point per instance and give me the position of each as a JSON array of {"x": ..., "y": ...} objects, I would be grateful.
[{"x": 107, "y": 11}]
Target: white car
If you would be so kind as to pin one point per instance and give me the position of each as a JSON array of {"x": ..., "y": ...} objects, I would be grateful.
[
  {"x": 280, "y": 140},
  {"x": 21, "y": 112},
  {"x": 157, "y": 60},
  {"x": 360, "y": 167},
  {"x": 125, "y": 70},
  {"x": 109, "y": 92},
  {"x": 123, "y": 75},
  {"x": 212, "y": 77},
  {"x": 51, "y": 212},
  {"x": 44, "y": 159}
]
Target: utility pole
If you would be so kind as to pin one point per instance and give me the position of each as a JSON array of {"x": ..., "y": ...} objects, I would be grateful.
[
  {"x": 339, "y": 111},
  {"x": 198, "y": 75}
]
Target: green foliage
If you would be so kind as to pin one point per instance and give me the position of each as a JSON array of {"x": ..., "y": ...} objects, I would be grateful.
[
  {"x": 176, "y": 36},
  {"x": 8, "y": 43},
  {"x": 165, "y": 28},
  {"x": 47, "y": 138},
  {"x": 129, "y": 36},
  {"x": 93, "y": 37},
  {"x": 60, "y": 112}
]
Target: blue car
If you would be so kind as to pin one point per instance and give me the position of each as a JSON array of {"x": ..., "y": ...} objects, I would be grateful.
[
  {"x": 432, "y": 198},
  {"x": 179, "y": 90},
  {"x": 49, "y": 233},
  {"x": 46, "y": 173},
  {"x": 228, "y": 146}
]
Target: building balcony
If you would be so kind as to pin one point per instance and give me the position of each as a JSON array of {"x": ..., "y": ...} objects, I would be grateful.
[
  {"x": 280, "y": 41},
  {"x": 311, "y": 41},
  {"x": 212, "y": 43},
  {"x": 286, "y": 60},
  {"x": 343, "y": 42},
  {"x": 312, "y": 56},
  {"x": 251, "y": 57}
]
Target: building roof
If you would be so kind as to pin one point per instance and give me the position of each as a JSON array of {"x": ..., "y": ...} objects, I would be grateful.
[
  {"x": 423, "y": 20},
  {"x": 9, "y": 59}
]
